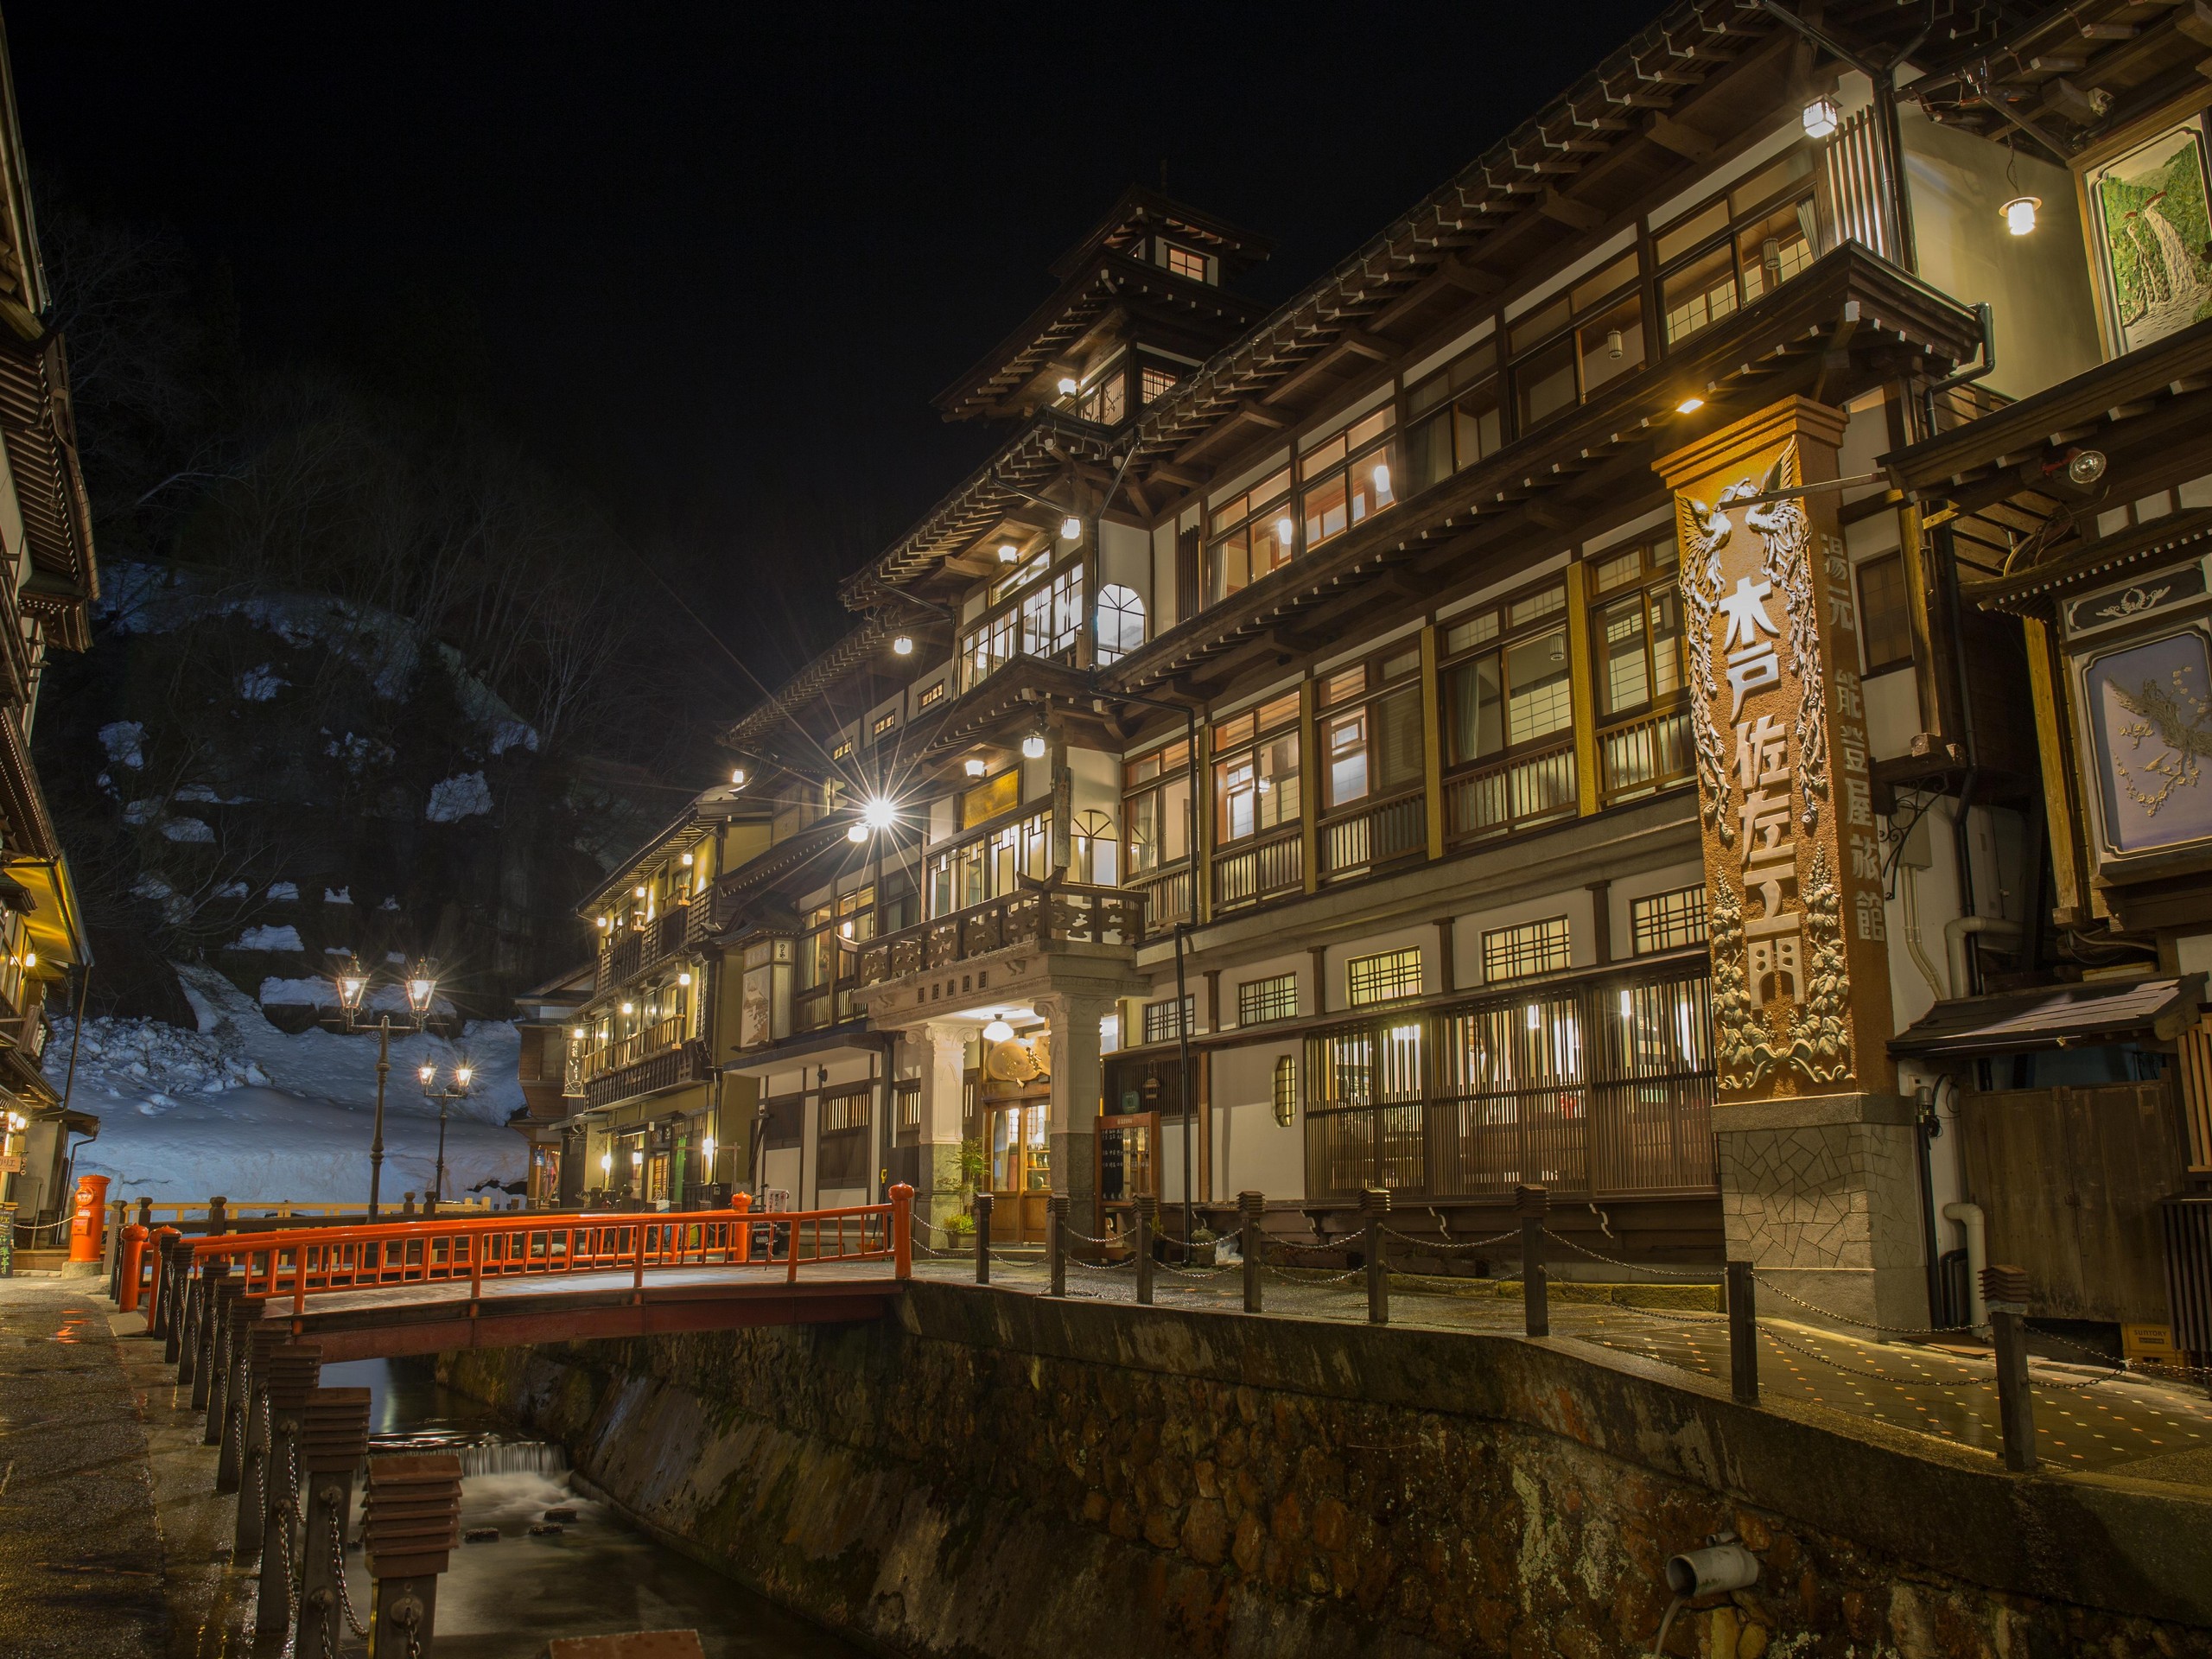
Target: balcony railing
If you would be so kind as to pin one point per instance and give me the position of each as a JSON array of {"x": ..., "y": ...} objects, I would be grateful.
[
  {"x": 1167, "y": 895},
  {"x": 685, "y": 1063},
  {"x": 1375, "y": 836},
  {"x": 1645, "y": 755},
  {"x": 1040, "y": 917},
  {"x": 1510, "y": 794},
  {"x": 612, "y": 1056},
  {"x": 1251, "y": 873}
]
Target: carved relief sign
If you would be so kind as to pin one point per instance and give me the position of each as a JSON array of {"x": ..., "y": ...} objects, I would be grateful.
[{"x": 1801, "y": 986}]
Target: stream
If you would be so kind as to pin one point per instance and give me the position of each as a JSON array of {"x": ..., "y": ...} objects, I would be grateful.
[{"x": 594, "y": 1576}]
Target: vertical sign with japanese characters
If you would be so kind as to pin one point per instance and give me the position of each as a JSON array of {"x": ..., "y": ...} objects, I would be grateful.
[{"x": 1801, "y": 985}]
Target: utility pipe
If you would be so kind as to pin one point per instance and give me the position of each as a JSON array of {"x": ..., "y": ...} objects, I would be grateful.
[
  {"x": 1970, "y": 1218},
  {"x": 1955, "y": 934}
]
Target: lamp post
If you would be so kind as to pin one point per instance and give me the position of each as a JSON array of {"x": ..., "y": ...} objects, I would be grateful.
[
  {"x": 463, "y": 1075},
  {"x": 421, "y": 984}
]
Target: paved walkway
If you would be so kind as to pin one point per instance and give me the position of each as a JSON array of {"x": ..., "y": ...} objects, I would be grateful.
[{"x": 2089, "y": 1416}]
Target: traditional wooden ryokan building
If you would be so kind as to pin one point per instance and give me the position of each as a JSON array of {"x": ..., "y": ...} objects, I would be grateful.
[{"x": 1677, "y": 673}]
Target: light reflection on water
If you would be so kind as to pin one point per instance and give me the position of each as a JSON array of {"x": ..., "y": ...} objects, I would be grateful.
[{"x": 597, "y": 1576}]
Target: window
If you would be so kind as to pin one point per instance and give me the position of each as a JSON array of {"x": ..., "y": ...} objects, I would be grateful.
[
  {"x": 1665, "y": 920},
  {"x": 1506, "y": 681},
  {"x": 1285, "y": 1089},
  {"x": 1154, "y": 383},
  {"x": 1051, "y": 616},
  {"x": 841, "y": 1150},
  {"x": 933, "y": 692},
  {"x": 1183, "y": 262},
  {"x": 1156, "y": 807},
  {"x": 1566, "y": 351},
  {"x": 1121, "y": 622},
  {"x": 1387, "y": 977},
  {"x": 990, "y": 865},
  {"x": 845, "y": 1108},
  {"x": 1639, "y": 635},
  {"x": 908, "y": 1095},
  {"x": 1159, "y": 1021},
  {"x": 1452, "y": 418},
  {"x": 842, "y": 749},
  {"x": 1737, "y": 247},
  {"x": 1253, "y": 534},
  {"x": 1343, "y": 481},
  {"x": 1531, "y": 948},
  {"x": 1256, "y": 781},
  {"x": 1041, "y": 618},
  {"x": 990, "y": 797},
  {"x": 1259, "y": 1000},
  {"x": 1885, "y": 613},
  {"x": 883, "y": 722},
  {"x": 1375, "y": 749},
  {"x": 1094, "y": 850},
  {"x": 1104, "y": 398}
]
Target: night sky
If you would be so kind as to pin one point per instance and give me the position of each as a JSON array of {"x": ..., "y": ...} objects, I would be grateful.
[{"x": 722, "y": 255}]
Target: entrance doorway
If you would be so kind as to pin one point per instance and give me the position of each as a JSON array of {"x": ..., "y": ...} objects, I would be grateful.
[{"x": 1021, "y": 1169}]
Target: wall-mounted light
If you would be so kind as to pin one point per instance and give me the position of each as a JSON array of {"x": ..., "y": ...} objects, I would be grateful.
[
  {"x": 683, "y": 979},
  {"x": 1821, "y": 117},
  {"x": 1008, "y": 552},
  {"x": 2020, "y": 214},
  {"x": 2085, "y": 466},
  {"x": 903, "y": 646},
  {"x": 1032, "y": 747},
  {"x": 637, "y": 1159},
  {"x": 997, "y": 1032},
  {"x": 1071, "y": 529},
  {"x": 1613, "y": 344},
  {"x": 879, "y": 813},
  {"x": 1382, "y": 478},
  {"x": 737, "y": 778},
  {"x": 1070, "y": 386},
  {"x": 576, "y": 1032},
  {"x": 628, "y": 1007},
  {"x": 686, "y": 860},
  {"x": 604, "y": 922},
  {"x": 974, "y": 767},
  {"x": 606, "y": 1162},
  {"x": 856, "y": 833},
  {"x": 638, "y": 892},
  {"x": 1689, "y": 406}
]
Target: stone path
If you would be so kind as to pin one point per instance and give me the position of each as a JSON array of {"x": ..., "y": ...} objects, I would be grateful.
[{"x": 2088, "y": 1417}]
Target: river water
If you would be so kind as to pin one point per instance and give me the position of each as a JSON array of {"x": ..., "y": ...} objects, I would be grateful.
[{"x": 595, "y": 1576}]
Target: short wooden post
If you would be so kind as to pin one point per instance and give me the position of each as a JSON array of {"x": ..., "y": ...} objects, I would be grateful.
[
  {"x": 229, "y": 1461},
  {"x": 206, "y": 1331},
  {"x": 2006, "y": 1290},
  {"x": 982, "y": 1238},
  {"x": 219, "y": 1215},
  {"x": 169, "y": 1306},
  {"x": 334, "y": 1439},
  {"x": 412, "y": 1514},
  {"x": 1056, "y": 1240},
  {"x": 1145, "y": 1209},
  {"x": 1250, "y": 1206},
  {"x": 1532, "y": 1203},
  {"x": 902, "y": 1231},
  {"x": 117, "y": 1210},
  {"x": 294, "y": 1371},
  {"x": 253, "y": 1462},
  {"x": 1743, "y": 1336},
  {"x": 227, "y": 1292},
  {"x": 1374, "y": 1204}
]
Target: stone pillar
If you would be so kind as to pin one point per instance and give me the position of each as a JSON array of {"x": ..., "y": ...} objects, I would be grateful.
[
  {"x": 1077, "y": 1077},
  {"x": 1818, "y": 1175},
  {"x": 940, "y": 1052}
]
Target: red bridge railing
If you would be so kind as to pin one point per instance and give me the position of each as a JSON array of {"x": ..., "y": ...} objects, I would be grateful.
[{"x": 442, "y": 1250}]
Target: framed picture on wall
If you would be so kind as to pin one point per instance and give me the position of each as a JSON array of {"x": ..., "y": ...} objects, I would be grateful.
[{"x": 2147, "y": 209}]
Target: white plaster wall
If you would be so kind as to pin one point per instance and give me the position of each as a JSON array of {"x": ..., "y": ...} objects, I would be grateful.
[
  {"x": 1892, "y": 713},
  {"x": 1125, "y": 556},
  {"x": 1162, "y": 587},
  {"x": 1252, "y": 1151},
  {"x": 1573, "y": 904}
]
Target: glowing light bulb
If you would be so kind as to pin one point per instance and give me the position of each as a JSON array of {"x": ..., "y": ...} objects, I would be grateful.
[
  {"x": 461, "y": 1074},
  {"x": 1008, "y": 552},
  {"x": 606, "y": 1162},
  {"x": 1032, "y": 746},
  {"x": 1070, "y": 386},
  {"x": 903, "y": 646},
  {"x": 2020, "y": 214},
  {"x": 997, "y": 1032},
  {"x": 1071, "y": 529},
  {"x": 1821, "y": 117},
  {"x": 429, "y": 1074},
  {"x": 628, "y": 1007},
  {"x": 737, "y": 778},
  {"x": 975, "y": 768},
  {"x": 1689, "y": 406},
  {"x": 1285, "y": 531},
  {"x": 683, "y": 979},
  {"x": 686, "y": 860},
  {"x": 879, "y": 813},
  {"x": 1382, "y": 478},
  {"x": 856, "y": 833}
]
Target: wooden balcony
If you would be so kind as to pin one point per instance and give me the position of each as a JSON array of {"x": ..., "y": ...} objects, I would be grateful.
[
  {"x": 1167, "y": 895},
  {"x": 1256, "y": 870},
  {"x": 637, "y": 949},
  {"x": 1375, "y": 834},
  {"x": 1041, "y": 918},
  {"x": 666, "y": 1068},
  {"x": 1510, "y": 794},
  {"x": 1645, "y": 755},
  {"x": 655, "y": 1039}
]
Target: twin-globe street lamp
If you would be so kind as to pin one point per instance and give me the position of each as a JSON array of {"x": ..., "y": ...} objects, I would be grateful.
[
  {"x": 421, "y": 984},
  {"x": 462, "y": 1075}
]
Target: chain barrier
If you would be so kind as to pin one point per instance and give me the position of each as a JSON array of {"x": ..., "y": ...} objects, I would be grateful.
[
  {"x": 1703, "y": 1274},
  {"x": 1197, "y": 1273},
  {"x": 1102, "y": 1267},
  {"x": 344, "y": 1593},
  {"x": 1452, "y": 1244},
  {"x": 1846, "y": 1319},
  {"x": 1779, "y": 1340},
  {"x": 1672, "y": 1316},
  {"x": 1331, "y": 1278},
  {"x": 1307, "y": 1249}
]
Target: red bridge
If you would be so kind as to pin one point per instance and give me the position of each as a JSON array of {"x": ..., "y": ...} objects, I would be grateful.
[{"x": 491, "y": 1281}]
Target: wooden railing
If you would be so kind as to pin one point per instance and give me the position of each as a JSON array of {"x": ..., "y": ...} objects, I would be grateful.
[
  {"x": 1376, "y": 835},
  {"x": 1247, "y": 873},
  {"x": 619, "y": 1052},
  {"x": 1645, "y": 755},
  {"x": 1041, "y": 916},
  {"x": 294, "y": 1267},
  {"x": 1167, "y": 895},
  {"x": 666, "y": 1068},
  {"x": 237, "y": 1210},
  {"x": 1510, "y": 794}
]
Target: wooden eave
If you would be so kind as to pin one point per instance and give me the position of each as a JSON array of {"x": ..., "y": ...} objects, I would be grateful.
[
  {"x": 1543, "y": 487},
  {"x": 857, "y": 651},
  {"x": 690, "y": 827},
  {"x": 1138, "y": 212},
  {"x": 1010, "y": 702},
  {"x": 2037, "y": 592},
  {"x": 26, "y": 826},
  {"x": 36, "y": 425}
]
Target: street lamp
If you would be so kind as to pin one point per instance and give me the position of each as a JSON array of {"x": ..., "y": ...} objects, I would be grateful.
[
  {"x": 420, "y": 985},
  {"x": 463, "y": 1075}
]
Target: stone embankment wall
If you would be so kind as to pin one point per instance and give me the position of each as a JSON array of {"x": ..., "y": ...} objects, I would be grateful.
[{"x": 999, "y": 1475}]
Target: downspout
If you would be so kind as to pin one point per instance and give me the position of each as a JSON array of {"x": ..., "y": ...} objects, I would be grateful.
[
  {"x": 1955, "y": 933},
  {"x": 1969, "y": 1217}
]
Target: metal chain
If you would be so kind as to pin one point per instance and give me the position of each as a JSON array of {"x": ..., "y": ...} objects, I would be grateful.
[
  {"x": 1453, "y": 1244},
  {"x": 1102, "y": 1267},
  {"x": 1194, "y": 1273},
  {"x": 1704, "y": 1273},
  {"x": 1846, "y": 1319},
  {"x": 1711, "y": 1321},
  {"x": 345, "y": 1591},
  {"x": 1773, "y": 1336},
  {"x": 1332, "y": 1279},
  {"x": 1305, "y": 1249}
]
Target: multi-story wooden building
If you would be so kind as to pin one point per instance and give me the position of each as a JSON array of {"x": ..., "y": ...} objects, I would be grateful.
[
  {"x": 47, "y": 581},
  {"x": 1526, "y": 711}
]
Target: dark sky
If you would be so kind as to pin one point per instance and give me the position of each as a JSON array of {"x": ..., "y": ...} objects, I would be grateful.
[{"x": 723, "y": 255}]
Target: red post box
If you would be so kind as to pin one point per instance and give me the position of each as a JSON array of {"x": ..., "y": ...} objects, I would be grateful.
[{"x": 85, "y": 1220}]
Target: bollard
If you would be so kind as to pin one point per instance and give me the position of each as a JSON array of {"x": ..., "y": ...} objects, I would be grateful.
[
  {"x": 902, "y": 1231},
  {"x": 1251, "y": 1206},
  {"x": 253, "y": 1442},
  {"x": 1531, "y": 1202},
  {"x": 129, "y": 1290},
  {"x": 1056, "y": 1241},
  {"x": 117, "y": 1211},
  {"x": 742, "y": 1203},
  {"x": 1145, "y": 1209},
  {"x": 205, "y": 1329},
  {"x": 333, "y": 1440},
  {"x": 175, "y": 1250},
  {"x": 245, "y": 1316},
  {"x": 198, "y": 1289},
  {"x": 295, "y": 1368},
  {"x": 412, "y": 1510},
  {"x": 227, "y": 1292},
  {"x": 2006, "y": 1290},
  {"x": 1374, "y": 1204},
  {"x": 1743, "y": 1336},
  {"x": 982, "y": 1238}
]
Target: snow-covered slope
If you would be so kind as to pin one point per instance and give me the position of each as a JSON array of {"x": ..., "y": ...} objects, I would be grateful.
[{"x": 241, "y": 1109}]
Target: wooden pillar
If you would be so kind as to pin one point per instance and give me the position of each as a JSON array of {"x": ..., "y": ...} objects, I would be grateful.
[
  {"x": 294, "y": 1371},
  {"x": 1448, "y": 954},
  {"x": 1583, "y": 683},
  {"x": 412, "y": 1515},
  {"x": 1432, "y": 744},
  {"x": 1309, "y": 788},
  {"x": 1320, "y": 956}
]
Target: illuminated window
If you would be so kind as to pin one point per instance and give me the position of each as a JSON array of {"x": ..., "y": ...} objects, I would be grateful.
[
  {"x": 1253, "y": 534},
  {"x": 1121, "y": 622},
  {"x": 1183, "y": 262},
  {"x": 1255, "y": 780},
  {"x": 933, "y": 692},
  {"x": 1639, "y": 635},
  {"x": 1344, "y": 480},
  {"x": 842, "y": 749},
  {"x": 1156, "y": 807},
  {"x": 1259, "y": 1000},
  {"x": 1737, "y": 248},
  {"x": 1160, "y": 1022},
  {"x": 1388, "y": 976},
  {"x": 1566, "y": 351},
  {"x": 1153, "y": 384},
  {"x": 1453, "y": 419},
  {"x": 1285, "y": 1091},
  {"x": 884, "y": 722},
  {"x": 1664, "y": 921},
  {"x": 1531, "y": 948}
]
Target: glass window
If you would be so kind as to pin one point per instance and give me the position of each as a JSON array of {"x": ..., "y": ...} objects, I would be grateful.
[
  {"x": 1258, "y": 789},
  {"x": 1467, "y": 426},
  {"x": 1154, "y": 383},
  {"x": 1347, "y": 758},
  {"x": 1531, "y": 948},
  {"x": 1385, "y": 977},
  {"x": 1255, "y": 534},
  {"x": 1121, "y": 622},
  {"x": 1663, "y": 921},
  {"x": 1538, "y": 699},
  {"x": 1639, "y": 636},
  {"x": 1185, "y": 262},
  {"x": 1156, "y": 808},
  {"x": 1095, "y": 850},
  {"x": 1588, "y": 336},
  {"x": 1284, "y": 1089},
  {"x": 1347, "y": 479},
  {"x": 1259, "y": 1000},
  {"x": 1160, "y": 1023},
  {"x": 1885, "y": 613},
  {"x": 1734, "y": 250}
]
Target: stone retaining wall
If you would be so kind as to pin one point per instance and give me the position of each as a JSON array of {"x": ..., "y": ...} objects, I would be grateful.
[{"x": 1000, "y": 1475}]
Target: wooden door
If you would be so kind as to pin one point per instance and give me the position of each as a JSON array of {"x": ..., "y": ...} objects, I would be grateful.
[{"x": 2070, "y": 1181}]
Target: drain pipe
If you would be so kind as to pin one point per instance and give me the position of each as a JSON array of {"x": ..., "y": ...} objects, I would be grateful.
[
  {"x": 1969, "y": 1217},
  {"x": 1955, "y": 934}
]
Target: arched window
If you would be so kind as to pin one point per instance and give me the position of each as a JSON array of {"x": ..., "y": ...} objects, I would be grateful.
[
  {"x": 1097, "y": 853},
  {"x": 1121, "y": 621},
  {"x": 1285, "y": 1090}
]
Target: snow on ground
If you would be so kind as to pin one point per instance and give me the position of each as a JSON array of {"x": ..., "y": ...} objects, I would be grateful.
[{"x": 242, "y": 1109}]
